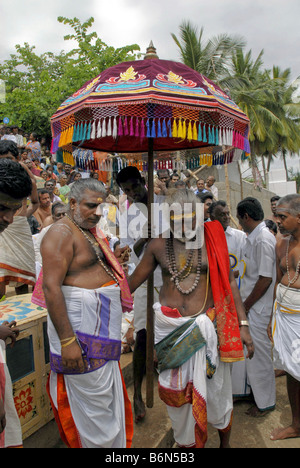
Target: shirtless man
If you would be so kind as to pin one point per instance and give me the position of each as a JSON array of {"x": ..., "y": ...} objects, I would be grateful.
[
  {"x": 189, "y": 290},
  {"x": 44, "y": 210},
  {"x": 284, "y": 328},
  {"x": 85, "y": 291}
]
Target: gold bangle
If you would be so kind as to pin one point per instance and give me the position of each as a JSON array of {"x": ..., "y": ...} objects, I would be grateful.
[
  {"x": 67, "y": 339},
  {"x": 71, "y": 340}
]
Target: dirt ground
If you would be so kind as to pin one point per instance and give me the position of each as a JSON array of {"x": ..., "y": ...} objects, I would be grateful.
[{"x": 249, "y": 432}]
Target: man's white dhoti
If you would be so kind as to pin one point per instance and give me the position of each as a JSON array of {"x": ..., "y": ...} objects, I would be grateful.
[
  {"x": 140, "y": 306},
  {"x": 199, "y": 391},
  {"x": 17, "y": 259},
  {"x": 13, "y": 432},
  {"x": 286, "y": 330},
  {"x": 96, "y": 397}
]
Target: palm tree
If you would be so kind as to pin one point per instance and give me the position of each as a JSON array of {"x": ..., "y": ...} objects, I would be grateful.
[
  {"x": 288, "y": 110},
  {"x": 253, "y": 91},
  {"x": 265, "y": 96},
  {"x": 209, "y": 57}
]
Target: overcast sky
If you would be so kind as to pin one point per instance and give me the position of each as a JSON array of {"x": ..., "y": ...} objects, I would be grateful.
[{"x": 272, "y": 25}]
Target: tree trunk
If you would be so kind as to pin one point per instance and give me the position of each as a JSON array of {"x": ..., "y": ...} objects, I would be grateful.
[
  {"x": 285, "y": 165},
  {"x": 264, "y": 169}
]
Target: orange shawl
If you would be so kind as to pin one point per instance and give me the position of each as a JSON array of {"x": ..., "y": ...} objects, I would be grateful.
[{"x": 230, "y": 344}]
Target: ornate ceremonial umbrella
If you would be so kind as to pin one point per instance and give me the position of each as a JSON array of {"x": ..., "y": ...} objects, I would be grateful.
[{"x": 145, "y": 106}]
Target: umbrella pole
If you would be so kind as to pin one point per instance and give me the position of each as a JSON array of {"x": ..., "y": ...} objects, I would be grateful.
[{"x": 150, "y": 288}]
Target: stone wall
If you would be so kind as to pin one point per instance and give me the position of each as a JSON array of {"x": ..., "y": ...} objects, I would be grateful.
[
  {"x": 235, "y": 188},
  {"x": 248, "y": 191}
]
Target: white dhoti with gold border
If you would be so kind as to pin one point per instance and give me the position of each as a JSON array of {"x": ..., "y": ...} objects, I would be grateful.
[
  {"x": 199, "y": 390},
  {"x": 96, "y": 398},
  {"x": 286, "y": 330}
]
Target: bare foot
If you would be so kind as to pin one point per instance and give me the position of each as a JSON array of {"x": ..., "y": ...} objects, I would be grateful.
[
  {"x": 289, "y": 432},
  {"x": 126, "y": 349},
  {"x": 139, "y": 409},
  {"x": 256, "y": 413}
]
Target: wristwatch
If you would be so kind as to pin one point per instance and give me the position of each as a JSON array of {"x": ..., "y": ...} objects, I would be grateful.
[{"x": 244, "y": 323}]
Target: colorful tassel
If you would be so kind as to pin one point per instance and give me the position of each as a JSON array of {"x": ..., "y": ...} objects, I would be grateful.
[
  {"x": 93, "y": 131},
  {"x": 159, "y": 135},
  {"x": 89, "y": 130},
  {"x": 126, "y": 131},
  {"x": 137, "y": 128},
  {"x": 148, "y": 129},
  {"x": 109, "y": 129},
  {"x": 99, "y": 130},
  {"x": 71, "y": 131},
  {"x": 76, "y": 133},
  {"x": 61, "y": 140},
  {"x": 209, "y": 135},
  {"x": 74, "y": 139},
  {"x": 115, "y": 128},
  {"x": 174, "y": 129},
  {"x": 164, "y": 129},
  {"x": 199, "y": 132},
  {"x": 184, "y": 130},
  {"x": 204, "y": 139},
  {"x": 153, "y": 134},
  {"x": 103, "y": 128},
  {"x": 131, "y": 127},
  {"x": 195, "y": 135},
  {"x": 227, "y": 137},
  {"x": 212, "y": 135},
  {"x": 120, "y": 127},
  {"x": 220, "y": 137},
  {"x": 64, "y": 137},
  {"x": 190, "y": 132},
  {"x": 142, "y": 129},
  {"x": 179, "y": 132},
  {"x": 80, "y": 134},
  {"x": 170, "y": 127},
  {"x": 217, "y": 137}
]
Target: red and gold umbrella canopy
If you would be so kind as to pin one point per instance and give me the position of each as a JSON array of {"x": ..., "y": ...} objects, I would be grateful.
[
  {"x": 167, "y": 101},
  {"x": 146, "y": 106}
]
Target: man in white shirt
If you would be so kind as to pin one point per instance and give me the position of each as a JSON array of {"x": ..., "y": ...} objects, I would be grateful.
[
  {"x": 133, "y": 224},
  {"x": 200, "y": 187},
  {"x": 210, "y": 186},
  {"x": 18, "y": 137},
  {"x": 9, "y": 135},
  {"x": 257, "y": 294},
  {"x": 235, "y": 238}
]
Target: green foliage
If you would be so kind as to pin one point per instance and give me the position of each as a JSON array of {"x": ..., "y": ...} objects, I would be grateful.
[{"x": 36, "y": 85}]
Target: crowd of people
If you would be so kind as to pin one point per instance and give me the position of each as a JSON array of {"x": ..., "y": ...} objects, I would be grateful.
[{"x": 226, "y": 310}]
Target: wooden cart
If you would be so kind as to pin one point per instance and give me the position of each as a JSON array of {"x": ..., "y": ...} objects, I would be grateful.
[{"x": 28, "y": 362}]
